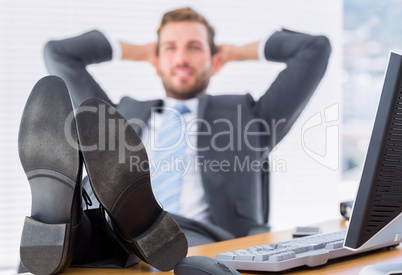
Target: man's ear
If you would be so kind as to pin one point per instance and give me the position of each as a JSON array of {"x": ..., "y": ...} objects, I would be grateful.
[
  {"x": 155, "y": 63},
  {"x": 216, "y": 63}
]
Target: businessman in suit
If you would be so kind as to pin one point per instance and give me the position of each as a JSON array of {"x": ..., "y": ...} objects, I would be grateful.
[{"x": 221, "y": 193}]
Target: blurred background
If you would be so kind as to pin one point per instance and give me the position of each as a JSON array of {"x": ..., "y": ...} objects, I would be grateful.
[
  {"x": 370, "y": 30},
  {"x": 312, "y": 170}
]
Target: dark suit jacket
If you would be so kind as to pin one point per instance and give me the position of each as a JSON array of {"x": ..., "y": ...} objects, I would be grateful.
[{"x": 234, "y": 195}]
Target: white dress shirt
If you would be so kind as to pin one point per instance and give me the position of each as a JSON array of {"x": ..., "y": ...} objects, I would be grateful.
[{"x": 193, "y": 204}]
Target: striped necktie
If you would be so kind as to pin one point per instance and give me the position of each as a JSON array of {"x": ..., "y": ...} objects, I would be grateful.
[{"x": 169, "y": 157}]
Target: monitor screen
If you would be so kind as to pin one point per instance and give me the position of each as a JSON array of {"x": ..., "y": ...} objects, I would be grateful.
[{"x": 376, "y": 216}]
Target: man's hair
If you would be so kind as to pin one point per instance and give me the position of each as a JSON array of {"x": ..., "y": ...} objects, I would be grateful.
[{"x": 188, "y": 14}]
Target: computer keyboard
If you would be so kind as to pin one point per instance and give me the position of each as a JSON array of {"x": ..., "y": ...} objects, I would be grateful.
[{"x": 306, "y": 251}]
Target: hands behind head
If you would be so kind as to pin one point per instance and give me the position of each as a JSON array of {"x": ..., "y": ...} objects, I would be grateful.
[
  {"x": 226, "y": 53},
  {"x": 132, "y": 52},
  {"x": 151, "y": 49}
]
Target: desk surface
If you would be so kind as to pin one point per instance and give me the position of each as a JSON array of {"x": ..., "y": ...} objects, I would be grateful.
[{"x": 349, "y": 265}]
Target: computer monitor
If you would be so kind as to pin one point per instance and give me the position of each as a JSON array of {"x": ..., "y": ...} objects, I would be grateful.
[{"x": 377, "y": 212}]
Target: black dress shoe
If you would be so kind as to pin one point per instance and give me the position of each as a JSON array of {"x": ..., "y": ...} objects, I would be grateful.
[
  {"x": 49, "y": 153},
  {"x": 110, "y": 146}
]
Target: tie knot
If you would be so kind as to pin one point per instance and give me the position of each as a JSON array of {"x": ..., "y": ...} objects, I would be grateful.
[{"x": 181, "y": 108}]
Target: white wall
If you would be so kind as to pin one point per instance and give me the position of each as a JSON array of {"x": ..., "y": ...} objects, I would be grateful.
[{"x": 26, "y": 25}]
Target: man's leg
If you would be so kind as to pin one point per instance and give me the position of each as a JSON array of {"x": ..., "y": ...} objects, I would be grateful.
[
  {"x": 59, "y": 231},
  {"x": 108, "y": 142},
  {"x": 98, "y": 245},
  {"x": 51, "y": 159},
  {"x": 198, "y": 233},
  {"x": 53, "y": 166}
]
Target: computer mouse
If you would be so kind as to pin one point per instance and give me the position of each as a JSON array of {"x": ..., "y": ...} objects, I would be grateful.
[{"x": 201, "y": 265}]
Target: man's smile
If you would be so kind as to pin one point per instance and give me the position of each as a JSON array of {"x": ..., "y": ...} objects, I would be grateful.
[{"x": 182, "y": 72}]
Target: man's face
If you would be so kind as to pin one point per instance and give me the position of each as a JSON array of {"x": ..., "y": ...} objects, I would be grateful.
[{"x": 184, "y": 62}]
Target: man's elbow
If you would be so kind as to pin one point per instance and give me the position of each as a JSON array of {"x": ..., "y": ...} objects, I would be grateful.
[
  {"x": 50, "y": 49},
  {"x": 322, "y": 47},
  {"x": 51, "y": 56}
]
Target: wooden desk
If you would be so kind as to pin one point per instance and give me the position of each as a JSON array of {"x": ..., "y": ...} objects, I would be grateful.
[{"x": 349, "y": 265}]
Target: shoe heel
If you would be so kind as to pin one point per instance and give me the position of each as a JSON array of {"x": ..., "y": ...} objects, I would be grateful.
[
  {"x": 163, "y": 244},
  {"x": 42, "y": 247}
]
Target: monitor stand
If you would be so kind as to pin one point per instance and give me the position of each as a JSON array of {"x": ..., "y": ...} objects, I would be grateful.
[{"x": 382, "y": 269}]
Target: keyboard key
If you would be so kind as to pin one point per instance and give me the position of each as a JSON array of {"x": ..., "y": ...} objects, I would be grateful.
[
  {"x": 300, "y": 248},
  {"x": 334, "y": 245},
  {"x": 316, "y": 246},
  {"x": 244, "y": 257},
  {"x": 285, "y": 256},
  {"x": 276, "y": 258},
  {"x": 261, "y": 256},
  {"x": 272, "y": 246},
  {"x": 225, "y": 256},
  {"x": 292, "y": 255}
]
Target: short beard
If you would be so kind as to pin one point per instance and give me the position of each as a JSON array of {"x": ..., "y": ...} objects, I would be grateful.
[{"x": 199, "y": 87}]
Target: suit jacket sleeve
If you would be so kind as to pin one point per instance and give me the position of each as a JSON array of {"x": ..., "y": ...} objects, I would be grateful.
[
  {"x": 68, "y": 59},
  {"x": 306, "y": 57}
]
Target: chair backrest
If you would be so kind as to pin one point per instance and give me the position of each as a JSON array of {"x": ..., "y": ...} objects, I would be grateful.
[{"x": 265, "y": 191}]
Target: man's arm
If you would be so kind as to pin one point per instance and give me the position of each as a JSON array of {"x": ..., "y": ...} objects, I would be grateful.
[
  {"x": 68, "y": 59},
  {"x": 132, "y": 52},
  {"x": 230, "y": 53},
  {"x": 306, "y": 58}
]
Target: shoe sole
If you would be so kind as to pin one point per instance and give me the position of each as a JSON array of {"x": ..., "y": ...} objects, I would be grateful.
[
  {"x": 109, "y": 145},
  {"x": 53, "y": 168}
]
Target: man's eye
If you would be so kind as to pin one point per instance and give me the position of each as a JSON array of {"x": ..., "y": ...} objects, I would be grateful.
[
  {"x": 169, "y": 48},
  {"x": 194, "y": 47}
]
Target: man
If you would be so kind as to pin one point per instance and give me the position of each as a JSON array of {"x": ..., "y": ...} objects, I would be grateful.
[{"x": 217, "y": 198}]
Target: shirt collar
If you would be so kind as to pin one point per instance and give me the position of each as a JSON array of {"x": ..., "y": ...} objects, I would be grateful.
[{"x": 192, "y": 103}]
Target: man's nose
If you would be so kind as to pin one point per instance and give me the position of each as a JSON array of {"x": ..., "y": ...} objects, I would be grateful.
[{"x": 182, "y": 56}]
